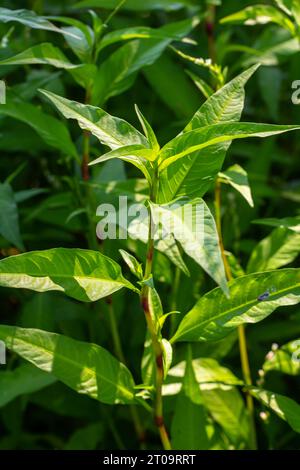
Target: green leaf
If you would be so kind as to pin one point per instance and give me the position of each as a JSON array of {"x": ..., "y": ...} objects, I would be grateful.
[
  {"x": 82, "y": 274},
  {"x": 201, "y": 84},
  {"x": 137, "y": 155},
  {"x": 138, "y": 229},
  {"x": 22, "y": 380},
  {"x": 50, "y": 129},
  {"x": 228, "y": 409},
  {"x": 135, "y": 32},
  {"x": 271, "y": 95},
  {"x": 292, "y": 223},
  {"x": 48, "y": 54},
  {"x": 275, "y": 46},
  {"x": 191, "y": 176},
  {"x": 135, "y": 5},
  {"x": 9, "y": 217},
  {"x": 193, "y": 226},
  {"x": 111, "y": 131},
  {"x": 85, "y": 367},
  {"x": 148, "y": 131},
  {"x": 281, "y": 247},
  {"x": 28, "y": 18},
  {"x": 209, "y": 374},
  {"x": 188, "y": 426},
  {"x": 260, "y": 14},
  {"x": 285, "y": 359},
  {"x": 44, "y": 53},
  {"x": 285, "y": 5},
  {"x": 237, "y": 177},
  {"x": 286, "y": 408},
  {"x": 190, "y": 142},
  {"x": 81, "y": 38},
  {"x": 133, "y": 264},
  {"x": 86, "y": 438},
  {"x": 214, "y": 315},
  {"x": 118, "y": 72}
]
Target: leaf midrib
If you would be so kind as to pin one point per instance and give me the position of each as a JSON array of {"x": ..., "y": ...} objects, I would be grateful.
[
  {"x": 74, "y": 363},
  {"x": 216, "y": 317}
]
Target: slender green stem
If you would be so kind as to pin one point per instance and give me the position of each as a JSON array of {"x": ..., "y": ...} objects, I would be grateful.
[
  {"x": 156, "y": 344},
  {"x": 241, "y": 330},
  {"x": 175, "y": 290},
  {"x": 120, "y": 355},
  {"x": 86, "y": 145},
  {"x": 210, "y": 31}
]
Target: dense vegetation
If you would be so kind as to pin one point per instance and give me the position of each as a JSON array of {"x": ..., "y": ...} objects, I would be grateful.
[{"x": 166, "y": 338}]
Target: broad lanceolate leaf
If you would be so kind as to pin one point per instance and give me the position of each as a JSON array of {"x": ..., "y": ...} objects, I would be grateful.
[
  {"x": 111, "y": 131},
  {"x": 22, "y": 380},
  {"x": 44, "y": 53},
  {"x": 82, "y": 274},
  {"x": 47, "y": 54},
  {"x": 286, "y": 408},
  {"x": 50, "y": 129},
  {"x": 286, "y": 359},
  {"x": 281, "y": 247},
  {"x": 28, "y": 18},
  {"x": 118, "y": 72},
  {"x": 193, "y": 226},
  {"x": 85, "y": 367},
  {"x": 192, "y": 176},
  {"x": 198, "y": 139},
  {"x": 9, "y": 218},
  {"x": 252, "y": 298},
  {"x": 260, "y": 14},
  {"x": 237, "y": 177}
]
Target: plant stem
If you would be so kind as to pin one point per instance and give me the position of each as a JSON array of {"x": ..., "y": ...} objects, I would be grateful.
[
  {"x": 175, "y": 290},
  {"x": 210, "y": 31},
  {"x": 86, "y": 145},
  {"x": 156, "y": 344},
  {"x": 241, "y": 330},
  {"x": 120, "y": 355}
]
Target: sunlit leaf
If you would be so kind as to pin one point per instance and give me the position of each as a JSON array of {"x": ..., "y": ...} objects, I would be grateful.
[
  {"x": 85, "y": 367},
  {"x": 82, "y": 274},
  {"x": 252, "y": 298}
]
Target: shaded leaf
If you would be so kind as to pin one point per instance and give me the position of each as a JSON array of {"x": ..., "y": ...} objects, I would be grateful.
[
  {"x": 281, "y": 247},
  {"x": 22, "y": 380},
  {"x": 9, "y": 217},
  {"x": 188, "y": 430},
  {"x": 50, "y": 129}
]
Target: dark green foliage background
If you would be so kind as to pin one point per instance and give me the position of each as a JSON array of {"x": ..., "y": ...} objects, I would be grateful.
[{"x": 55, "y": 417}]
